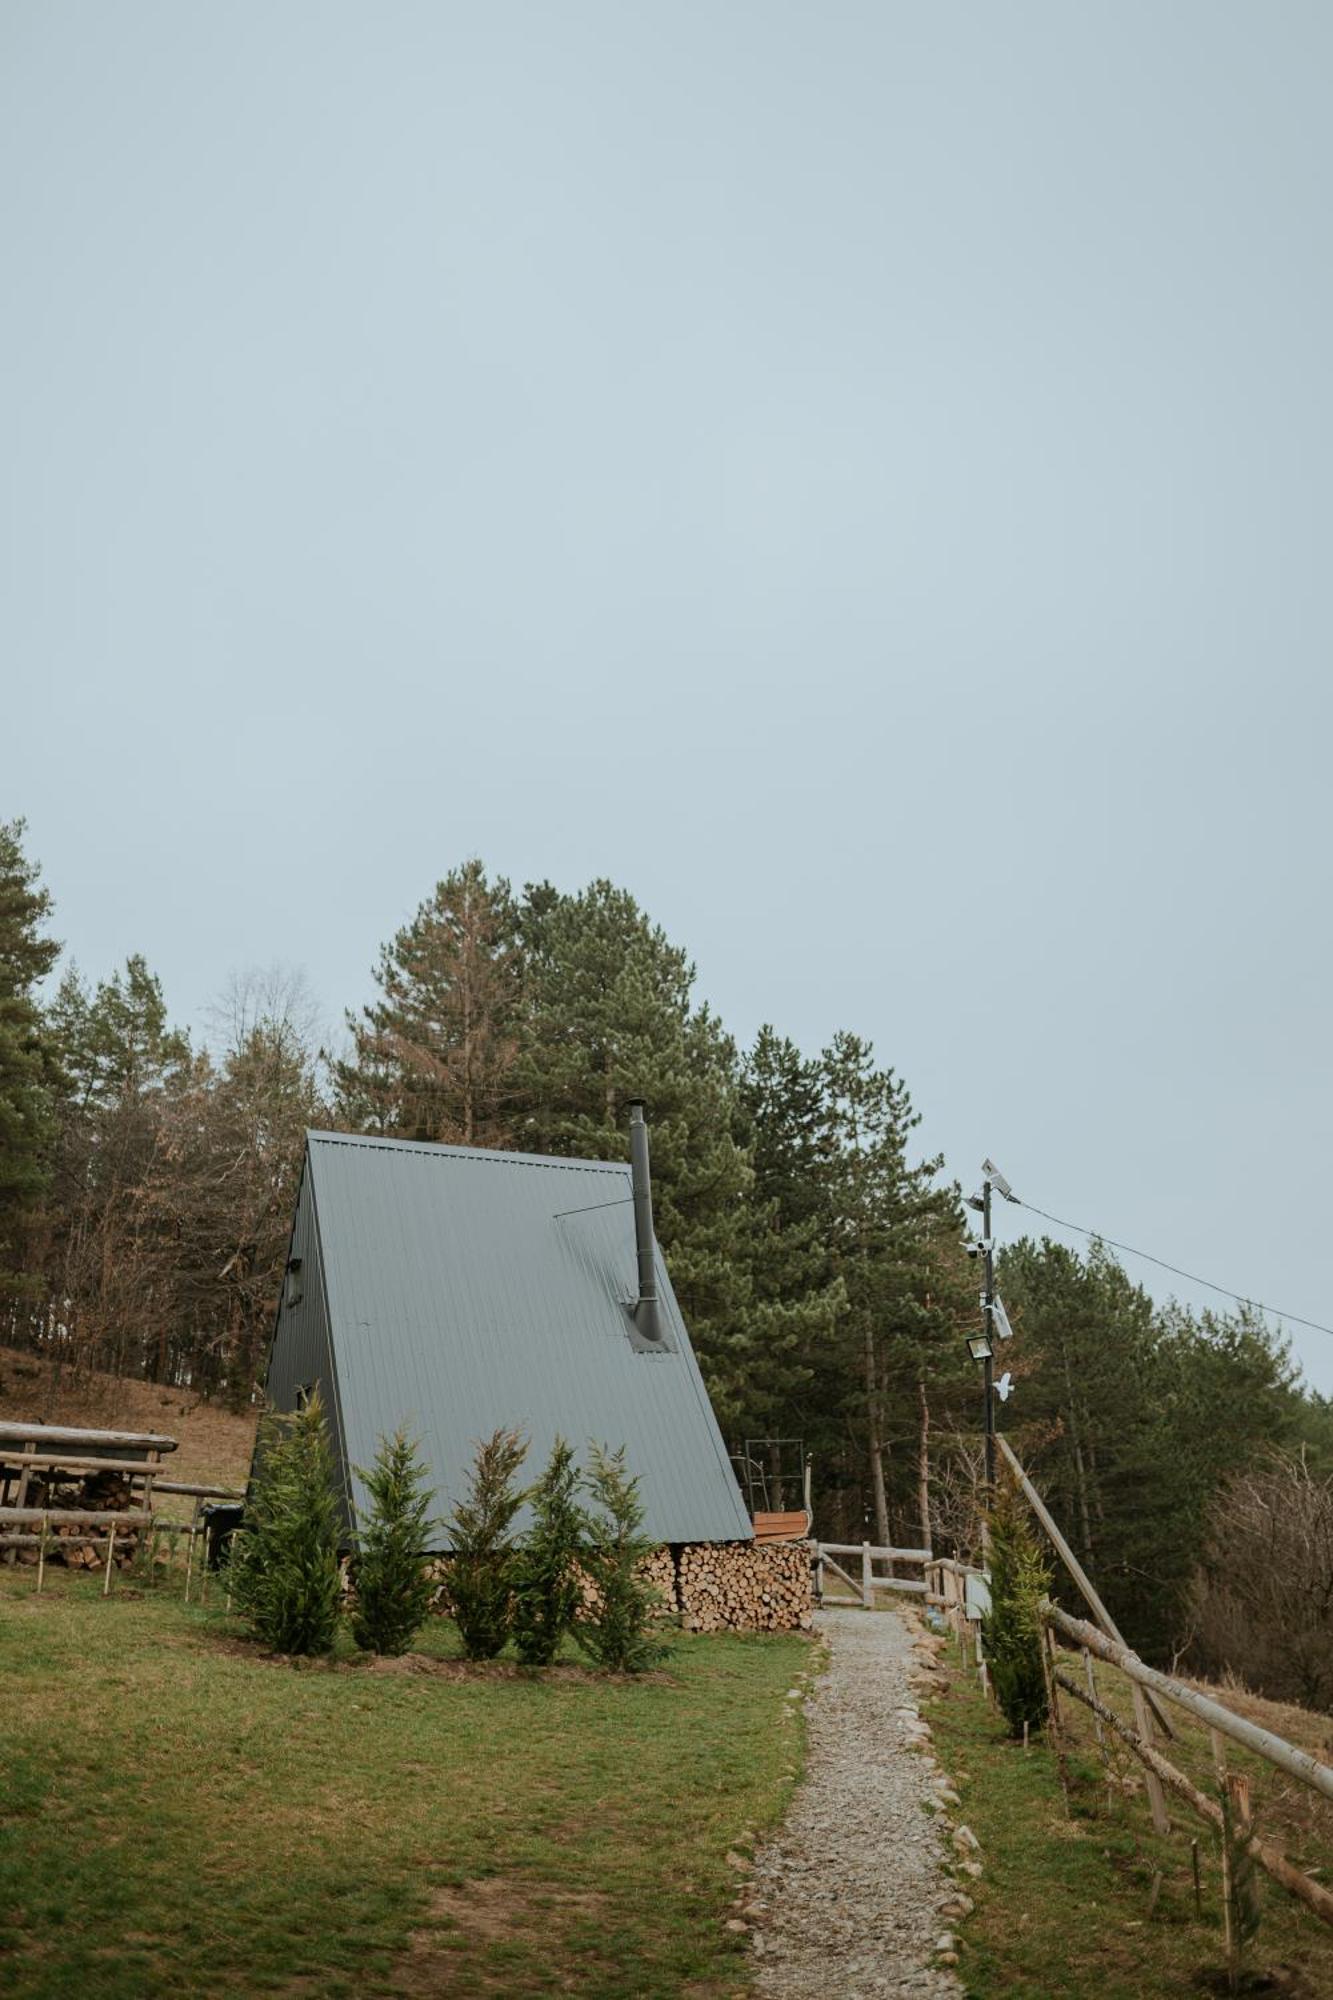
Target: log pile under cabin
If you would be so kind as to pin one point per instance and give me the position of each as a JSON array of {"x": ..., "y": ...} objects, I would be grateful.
[
  {"x": 716, "y": 1586},
  {"x": 744, "y": 1587}
]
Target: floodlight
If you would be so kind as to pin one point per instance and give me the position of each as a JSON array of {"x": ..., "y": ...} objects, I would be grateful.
[
  {"x": 999, "y": 1318},
  {"x": 1004, "y": 1386},
  {"x": 974, "y": 1201},
  {"x": 979, "y": 1347},
  {"x": 997, "y": 1180}
]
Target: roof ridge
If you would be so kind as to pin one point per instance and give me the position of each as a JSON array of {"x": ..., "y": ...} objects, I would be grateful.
[{"x": 438, "y": 1149}]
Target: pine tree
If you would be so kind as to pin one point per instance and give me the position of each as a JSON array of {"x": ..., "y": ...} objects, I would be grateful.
[
  {"x": 892, "y": 1231},
  {"x": 122, "y": 1068},
  {"x": 546, "y": 1592},
  {"x": 1011, "y": 1631},
  {"x": 27, "y": 1060},
  {"x": 393, "y": 1587},
  {"x": 796, "y": 1300},
  {"x": 610, "y": 1019},
  {"x": 284, "y": 1576},
  {"x": 433, "y": 1056},
  {"x": 482, "y": 1575},
  {"x": 614, "y": 1628}
]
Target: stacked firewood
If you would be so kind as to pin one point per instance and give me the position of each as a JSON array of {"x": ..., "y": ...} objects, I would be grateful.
[
  {"x": 711, "y": 1586},
  {"x": 80, "y": 1544},
  {"x": 745, "y": 1587}
]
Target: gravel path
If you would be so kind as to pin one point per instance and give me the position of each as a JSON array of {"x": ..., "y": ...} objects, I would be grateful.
[{"x": 850, "y": 1901}]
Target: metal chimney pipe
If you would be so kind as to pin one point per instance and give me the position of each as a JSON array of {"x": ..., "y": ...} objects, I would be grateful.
[{"x": 646, "y": 1311}]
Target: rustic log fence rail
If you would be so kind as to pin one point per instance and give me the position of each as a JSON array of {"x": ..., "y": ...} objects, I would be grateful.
[
  {"x": 869, "y": 1553},
  {"x": 1221, "y": 1722},
  {"x": 68, "y": 1492}
]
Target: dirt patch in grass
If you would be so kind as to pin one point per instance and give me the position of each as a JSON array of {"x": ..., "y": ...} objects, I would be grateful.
[{"x": 488, "y": 1917}]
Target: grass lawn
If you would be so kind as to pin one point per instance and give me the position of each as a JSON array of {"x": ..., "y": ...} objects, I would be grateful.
[
  {"x": 180, "y": 1815},
  {"x": 1065, "y": 1906}
]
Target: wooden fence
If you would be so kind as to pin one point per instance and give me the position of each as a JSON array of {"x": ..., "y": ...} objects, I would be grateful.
[
  {"x": 862, "y": 1588},
  {"x": 1152, "y": 1693},
  {"x": 1229, "y": 1812}
]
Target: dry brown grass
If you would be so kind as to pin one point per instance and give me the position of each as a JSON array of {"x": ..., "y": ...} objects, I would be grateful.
[{"x": 214, "y": 1445}]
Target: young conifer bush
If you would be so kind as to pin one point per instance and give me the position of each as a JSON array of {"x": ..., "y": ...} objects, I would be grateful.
[
  {"x": 393, "y": 1588},
  {"x": 1011, "y": 1631},
  {"x": 482, "y": 1575},
  {"x": 614, "y": 1627},
  {"x": 283, "y": 1572},
  {"x": 546, "y": 1590}
]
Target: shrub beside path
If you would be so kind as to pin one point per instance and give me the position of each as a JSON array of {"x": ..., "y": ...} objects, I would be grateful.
[{"x": 850, "y": 1899}]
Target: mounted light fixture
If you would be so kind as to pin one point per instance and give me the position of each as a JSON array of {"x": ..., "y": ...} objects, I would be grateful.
[{"x": 979, "y": 1347}]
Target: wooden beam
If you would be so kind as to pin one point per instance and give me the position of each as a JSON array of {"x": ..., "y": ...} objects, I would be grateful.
[
  {"x": 35, "y": 1435},
  {"x": 1269, "y": 1858},
  {"x": 1274, "y": 1749},
  {"x": 1069, "y": 1559},
  {"x": 73, "y": 1517}
]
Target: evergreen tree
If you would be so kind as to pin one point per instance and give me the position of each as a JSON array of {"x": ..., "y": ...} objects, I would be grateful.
[
  {"x": 284, "y": 1576},
  {"x": 482, "y": 1575},
  {"x": 796, "y": 1300},
  {"x": 27, "y": 1062},
  {"x": 610, "y": 1019},
  {"x": 123, "y": 1066},
  {"x": 1011, "y": 1631},
  {"x": 1131, "y": 1418},
  {"x": 433, "y": 1057},
  {"x": 546, "y": 1591},
  {"x": 892, "y": 1232},
  {"x": 614, "y": 1628},
  {"x": 393, "y": 1587}
]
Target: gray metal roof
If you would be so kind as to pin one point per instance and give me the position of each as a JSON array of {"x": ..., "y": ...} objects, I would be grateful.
[{"x": 471, "y": 1289}]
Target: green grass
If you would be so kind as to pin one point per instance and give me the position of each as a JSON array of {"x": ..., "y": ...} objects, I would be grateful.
[
  {"x": 179, "y": 1815},
  {"x": 1065, "y": 1905}
]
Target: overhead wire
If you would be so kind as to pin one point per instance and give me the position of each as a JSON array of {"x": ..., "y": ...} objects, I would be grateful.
[{"x": 1224, "y": 1291}]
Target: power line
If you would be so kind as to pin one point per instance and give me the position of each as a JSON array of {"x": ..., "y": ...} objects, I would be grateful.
[{"x": 1096, "y": 1236}]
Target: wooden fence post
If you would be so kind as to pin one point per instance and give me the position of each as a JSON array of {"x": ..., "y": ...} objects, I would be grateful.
[
  {"x": 1156, "y": 1796},
  {"x": 867, "y": 1583},
  {"x": 1228, "y": 1886}
]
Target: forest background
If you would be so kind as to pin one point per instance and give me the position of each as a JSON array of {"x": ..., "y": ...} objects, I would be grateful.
[{"x": 147, "y": 1184}]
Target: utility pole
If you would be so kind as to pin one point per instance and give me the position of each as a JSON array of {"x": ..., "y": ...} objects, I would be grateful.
[
  {"x": 994, "y": 1319},
  {"x": 988, "y": 1329}
]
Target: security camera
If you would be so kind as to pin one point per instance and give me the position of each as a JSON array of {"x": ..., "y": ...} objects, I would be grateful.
[{"x": 975, "y": 1247}]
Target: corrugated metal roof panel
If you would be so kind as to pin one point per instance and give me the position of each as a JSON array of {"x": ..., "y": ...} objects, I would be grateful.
[{"x": 469, "y": 1290}]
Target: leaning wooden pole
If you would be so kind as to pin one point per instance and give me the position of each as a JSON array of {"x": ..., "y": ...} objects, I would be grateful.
[{"x": 1069, "y": 1559}]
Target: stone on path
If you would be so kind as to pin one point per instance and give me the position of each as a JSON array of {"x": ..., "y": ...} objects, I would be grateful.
[{"x": 847, "y": 1893}]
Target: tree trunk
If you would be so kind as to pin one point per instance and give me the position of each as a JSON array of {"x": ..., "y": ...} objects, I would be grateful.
[
  {"x": 923, "y": 1467},
  {"x": 874, "y": 1435},
  {"x": 1085, "y": 1517}
]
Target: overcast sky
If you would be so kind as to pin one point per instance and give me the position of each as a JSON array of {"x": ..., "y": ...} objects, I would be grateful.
[{"x": 857, "y": 475}]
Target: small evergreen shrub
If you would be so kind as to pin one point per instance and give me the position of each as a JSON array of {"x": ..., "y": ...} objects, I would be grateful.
[
  {"x": 283, "y": 1571},
  {"x": 613, "y": 1627},
  {"x": 546, "y": 1590},
  {"x": 393, "y": 1589},
  {"x": 482, "y": 1574},
  {"x": 1011, "y": 1631}
]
